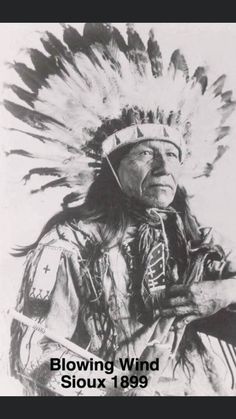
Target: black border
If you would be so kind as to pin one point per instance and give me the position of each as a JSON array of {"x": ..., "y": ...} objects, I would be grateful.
[
  {"x": 136, "y": 11},
  {"x": 124, "y": 407},
  {"x": 118, "y": 11}
]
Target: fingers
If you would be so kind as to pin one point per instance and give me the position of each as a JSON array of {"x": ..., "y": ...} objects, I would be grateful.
[
  {"x": 178, "y": 311},
  {"x": 185, "y": 321},
  {"x": 177, "y": 301}
]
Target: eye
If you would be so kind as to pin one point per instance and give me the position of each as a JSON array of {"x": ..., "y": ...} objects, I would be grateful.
[
  {"x": 172, "y": 154},
  {"x": 146, "y": 153}
]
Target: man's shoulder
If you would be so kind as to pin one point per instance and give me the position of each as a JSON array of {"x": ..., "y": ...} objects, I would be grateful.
[
  {"x": 71, "y": 234},
  {"x": 64, "y": 241}
]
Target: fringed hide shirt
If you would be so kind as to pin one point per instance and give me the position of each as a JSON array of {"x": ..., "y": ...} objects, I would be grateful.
[{"x": 98, "y": 299}]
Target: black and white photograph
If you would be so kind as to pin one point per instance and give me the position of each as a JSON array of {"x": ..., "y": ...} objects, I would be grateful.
[{"x": 117, "y": 217}]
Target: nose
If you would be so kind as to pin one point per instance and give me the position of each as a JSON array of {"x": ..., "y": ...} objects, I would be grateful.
[{"x": 160, "y": 165}]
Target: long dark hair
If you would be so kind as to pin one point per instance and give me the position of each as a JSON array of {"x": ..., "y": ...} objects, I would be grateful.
[{"x": 108, "y": 205}]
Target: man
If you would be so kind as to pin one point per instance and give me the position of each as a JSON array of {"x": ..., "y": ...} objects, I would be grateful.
[
  {"x": 104, "y": 290},
  {"x": 129, "y": 273}
]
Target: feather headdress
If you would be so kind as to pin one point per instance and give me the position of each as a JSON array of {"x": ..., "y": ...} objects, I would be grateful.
[{"x": 91, "y": 94}]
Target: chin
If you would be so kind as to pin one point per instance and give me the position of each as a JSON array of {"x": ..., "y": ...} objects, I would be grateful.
[{"x": 157, "y": 202}]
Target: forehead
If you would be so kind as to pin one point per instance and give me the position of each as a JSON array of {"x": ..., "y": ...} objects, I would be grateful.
[{"x": 158, "y": 145}]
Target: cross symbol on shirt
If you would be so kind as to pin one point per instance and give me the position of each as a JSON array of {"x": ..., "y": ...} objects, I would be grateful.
[
  {"x": 151, "y": 271},
  {"x": 46, "y": 269}
]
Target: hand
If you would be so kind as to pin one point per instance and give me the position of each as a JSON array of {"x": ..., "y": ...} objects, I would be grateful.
[{"x": 198, "y": 300}]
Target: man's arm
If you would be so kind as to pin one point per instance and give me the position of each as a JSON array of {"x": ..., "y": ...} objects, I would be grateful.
[
  {"x": 53, "y": 302},
  {"x": 204, "y": 299}
]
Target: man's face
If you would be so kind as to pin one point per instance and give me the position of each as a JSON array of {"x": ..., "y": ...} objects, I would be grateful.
[{"x": 150, "y": 173}]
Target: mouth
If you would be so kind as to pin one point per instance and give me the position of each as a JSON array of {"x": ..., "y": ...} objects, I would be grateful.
[{"x": 161, "y": 185}]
